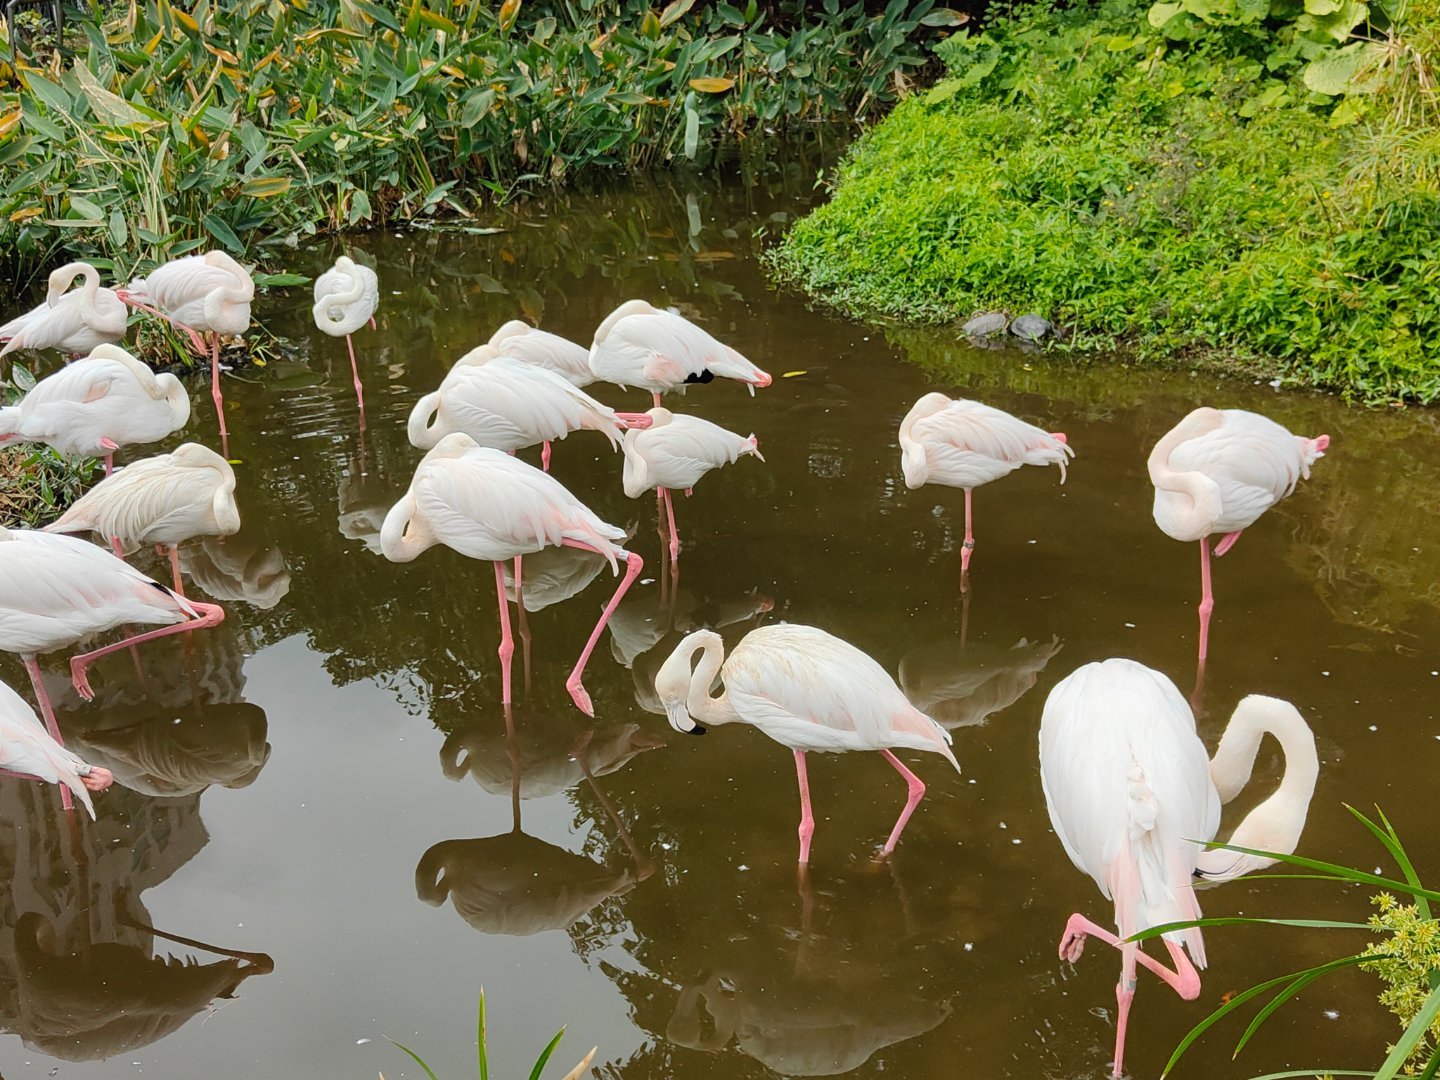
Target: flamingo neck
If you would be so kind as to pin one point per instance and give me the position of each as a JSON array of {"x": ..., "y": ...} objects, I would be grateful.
[
  {"x": 699, "y": 703},
  {"x": 402, "y": 537}
]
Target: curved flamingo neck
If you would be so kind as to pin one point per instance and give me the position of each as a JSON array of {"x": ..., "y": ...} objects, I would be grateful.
[
  {"x": 62, "y": 278},
  {"x": 402, "y": 537},
  {"x": 699, "y": 703}
]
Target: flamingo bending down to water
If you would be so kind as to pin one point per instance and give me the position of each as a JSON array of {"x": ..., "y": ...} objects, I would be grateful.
[
  {"x": 346, "y": 297},
  {"x": 57, "y": 590},
  {"x": 94, "y": 406},
  {"x": 1129, "y": 791},
  {"x": 69, "y": 322},
  {"x": 201, "y": 294},
  {"x": 544, "y": 349},
  {"x": 965, "y": 444},
  {"x": 488, "y": 505},
  {"x": 807, "y": 690},
  {"x": 1217, "y": 471},
  {"x": 507, "y": 404},
  {"x": 640, "y": 345},
  {"x": 163, "y": 500},
  {"x": 27, "y": 750},
  {"x": 675, "y": 451}
]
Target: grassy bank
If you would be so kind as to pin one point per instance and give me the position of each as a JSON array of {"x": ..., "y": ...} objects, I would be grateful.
[
  {"x": 246, "y": 123},
  {"x": 1179, "y": 189}
]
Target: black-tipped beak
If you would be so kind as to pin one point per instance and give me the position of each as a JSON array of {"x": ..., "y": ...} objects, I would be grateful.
[{"x": 699, "y": 729}]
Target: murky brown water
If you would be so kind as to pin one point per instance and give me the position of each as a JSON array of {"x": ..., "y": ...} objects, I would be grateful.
[{"x": 326, "y": 778}]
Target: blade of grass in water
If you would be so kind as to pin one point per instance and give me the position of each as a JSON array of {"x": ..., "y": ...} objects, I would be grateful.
[
  {"x": 416, "y": 1057},
  {"x": 480, "y": 1039},
  {"x": 1236, "y": 920},
  {"x": 545, "y": 1055}
]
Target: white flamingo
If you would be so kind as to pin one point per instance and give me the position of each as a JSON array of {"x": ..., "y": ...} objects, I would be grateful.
[
  {"x": 94, "y": 406},
  {"x": 965, "y": 444},
  {"x": 69, "y": 322},
  {"x": 57, "y": 590},
  {"x": 346, "y": 297},
  {"x": 807, "y": 690},
  {"x": 675, "y": 451},
  {"x": 507, "y": 404},
  {"x": 544, "y": 349},
  {"x": 488, "y": 505},
  {"x": 201, "y": 294},
  {"x": 640, "y": 345},
  {"x": 1129, "y": 791},
  {"x": 1217, "y": 471},
  {"x": 163, "y": 500},
  {"x": 28, "y": 750}
]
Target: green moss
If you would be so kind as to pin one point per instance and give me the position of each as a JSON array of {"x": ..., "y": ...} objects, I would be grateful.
[{"x": 1072, "y": 169}]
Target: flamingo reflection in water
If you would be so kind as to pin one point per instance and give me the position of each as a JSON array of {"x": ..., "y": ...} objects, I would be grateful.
[
  {"x": 964, "y": 685},
  {"x": 1130, "y": 791}
]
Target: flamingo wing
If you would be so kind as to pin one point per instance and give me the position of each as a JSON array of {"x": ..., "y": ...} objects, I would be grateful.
[
  {"x": 972, "y": 427},
  {"x": 686, "y": 448},
  {"x": 1254, "y": 461},
  {"x": 27, "y": 748},
  {"x": 150, "y": 501}
]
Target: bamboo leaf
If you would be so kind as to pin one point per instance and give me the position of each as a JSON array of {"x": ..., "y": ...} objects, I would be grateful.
[
  {"x": 712, "y": 85},
  {"x": 265, "y": 187},
  {"x": 675, "y": 10},
  {"x": 217, "y": 227},
  {"x": 86, "y": 209}
]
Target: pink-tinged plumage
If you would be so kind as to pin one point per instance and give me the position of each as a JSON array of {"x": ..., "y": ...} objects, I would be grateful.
[
  {"x": 1131, "y": 796},
  {"x": 209, "y": 293},
  {"x": 1217, "y": 471},
  {"x": 488, "y": 505},
  {"x": 93, "y": 406},
  {"x": 506, "y": 404},
  {"x": 69, "y": 322},
  {"x": 675, "y": 451},
  {"x": 807, "y": 690},
  {"x": 26, "y": 749},
  {"x": 544, "y": 349},
  {"x": 640, "y": 345},
  {"x": 346, "y": 297}
]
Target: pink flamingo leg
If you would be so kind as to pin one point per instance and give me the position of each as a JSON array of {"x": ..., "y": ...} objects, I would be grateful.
[
  {"x": 109, "y": 446},
  {"x": 545, "y": 455},
  {"x": 215, "y": 392},
  {"x": 521, "y": 621},
  {"x": 1207, "y": 598},
  {"x": 916, "y": 793},
  {"x": 670, "y": 517},
  {"x": 633, "y": 565},
  {"x": 116, "y": 548},
  {"x": 1184, "y": 980},
  {"x": 47, "y": 712},
  {"x": 507, "y": 643},
  {"x": 1227, "y": 542},
  {"x": 807, "y": 819},
  {"x": 656, "y": 396},
  {"x": 210, "y": 615},
  {"x": 968, "y": 545},
  {"x": 355, "y": 371},
  {"x": 175, "y": 569},
  {"x": 638, "y": 420}
]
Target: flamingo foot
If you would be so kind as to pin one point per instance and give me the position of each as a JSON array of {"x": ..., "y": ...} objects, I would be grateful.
[
  {"x": 97, "y": 779},
  {"x": 80, "y": 680},
  {"x": 1227, "y": 542},
  {"x": 580, "y": 696},
  {"x": 1072, "y": 942}
]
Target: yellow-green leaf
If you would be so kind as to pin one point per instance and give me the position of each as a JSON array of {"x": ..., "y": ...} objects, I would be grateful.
[
  {"x": 711, "y": 85},
  {"x": 509, "y": 12},
  {"x": 265, "y": 187}
]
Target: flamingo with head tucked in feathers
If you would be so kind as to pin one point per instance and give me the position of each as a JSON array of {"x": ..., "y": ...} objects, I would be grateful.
[
  {"x": 69, "y": 322},
  {"x": 94, "y": 406},
  {"x": 1217, "y": 471},
  {"x": 544, "y": 349},
  {"x": 640, "y": 345},
  {"x": 965, "y": 444},
  {"x": 488, "y": 505},
  {"x": 1131, "y": 795},
  {"x": 807, "y": 690},
  {"x": 28, "y": 750},
  {"x": 346, "y": 297}
]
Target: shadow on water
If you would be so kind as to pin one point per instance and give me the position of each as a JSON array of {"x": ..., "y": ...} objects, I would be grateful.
[{"x": 343, "y": 725}]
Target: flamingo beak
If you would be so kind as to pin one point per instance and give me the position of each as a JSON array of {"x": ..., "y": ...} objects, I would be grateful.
[{"x": 681, "y": 720}]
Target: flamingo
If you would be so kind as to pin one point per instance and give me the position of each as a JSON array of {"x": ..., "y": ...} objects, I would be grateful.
[
  {"x": 1217, "y": 471},
  {"x": 57, "y": 590},
  {"x": 544, "y": 349},
  {"x": 965, "y": 444},
  {"x": 94, "y": 406},
  {"x": 163, "y": 500},
  {"x": 1130, "y": 792},
  {"x": 488, "y": 505},
  {"x": 27, "y": 749},
  {"x": 507, "y": 404},
  {"x": 640, "y": 345},
  {"x": 807, "y": 690},
  {"x": 201, "y": 294},
  {"x": 675, "y": 451},
  {"x": 69, "y": 322},
  {"x": 346, "y": 297}
]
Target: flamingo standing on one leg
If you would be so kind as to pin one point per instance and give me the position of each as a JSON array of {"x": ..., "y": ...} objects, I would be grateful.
[
  {"x": 57, "y": 590},
  {"x": 1129, "y": 790},
  {"x": 163, "y": 500},
  {"x": 807, "y": 690},
  {"x": 965, "y": 444},
  {"x": 94, "y": 406},
  {"x": 675, "y": 451},
  {"x": 544, "y": 349},
  {"x": 640, "y": 345},
  {"x": 28, "y": 750},
  {"x": 488, "y": 505},
  {"x": 201, "y": 294},
  {"x": 346, "y": 297},
  {"x": 69, "y": 322},
  {"x": 1217, "y": 471}
]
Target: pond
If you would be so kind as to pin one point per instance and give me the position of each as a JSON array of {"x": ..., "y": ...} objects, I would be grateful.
[{"x": 327, "y": 781}]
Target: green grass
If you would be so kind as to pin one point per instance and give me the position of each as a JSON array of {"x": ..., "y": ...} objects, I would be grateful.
[{"x": 1076, "y": 166}]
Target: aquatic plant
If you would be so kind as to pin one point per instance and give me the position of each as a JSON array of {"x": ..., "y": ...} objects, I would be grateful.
[
  {"x": 1407, "y": 961},
  {"x": 484, "y": 1064}
]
